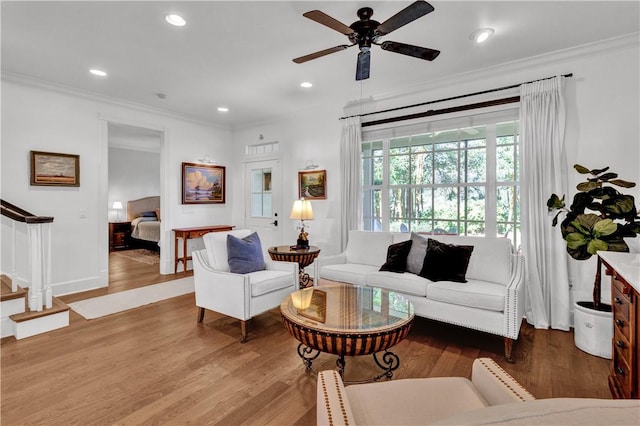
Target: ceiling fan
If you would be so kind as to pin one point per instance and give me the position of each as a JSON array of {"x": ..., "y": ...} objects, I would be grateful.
[{"x": 366, "y": 32}]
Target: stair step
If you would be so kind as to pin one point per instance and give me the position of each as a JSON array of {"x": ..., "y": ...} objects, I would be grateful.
[
  {"x": 6, "y": 293},
  {"x": 58, "y": 306}
]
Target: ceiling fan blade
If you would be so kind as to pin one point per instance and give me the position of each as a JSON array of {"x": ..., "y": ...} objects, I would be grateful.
[
  {"x": 406, "y": 15},
  {"x": 364, "y": 65},
  {"x": 321, "y": 53},
  {"x": 324, "y": 19},
  {"x": 410, "y": 50}
]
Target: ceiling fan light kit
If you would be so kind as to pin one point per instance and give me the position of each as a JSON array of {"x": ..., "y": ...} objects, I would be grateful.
[{"x": 367, "y": 32}]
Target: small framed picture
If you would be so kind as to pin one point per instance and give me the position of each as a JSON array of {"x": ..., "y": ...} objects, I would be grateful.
[
  {"x": 312, "y": 185},
  {"x": 317, "y": 311},
  {"x": 54, "y": 169},
  {"x": 203, "y": 184}
]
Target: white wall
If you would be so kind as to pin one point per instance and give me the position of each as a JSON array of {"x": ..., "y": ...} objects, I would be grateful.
[
  {"x": 132, "y": 175},
  {"x": 36, "y": 118}
]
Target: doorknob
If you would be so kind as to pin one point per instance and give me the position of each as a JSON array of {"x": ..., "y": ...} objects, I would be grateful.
[{"x": 275, "y": 222}]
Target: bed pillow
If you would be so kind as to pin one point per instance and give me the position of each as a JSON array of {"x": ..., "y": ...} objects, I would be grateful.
[
  {"x": 415, "y": 259},
  {"x": 148, "y": 214},
  {"x": 397, "y": 257},
  {"x": 446, "y": 262},
  {"x": 245, "y": 254},
  {"x": 158, "y": 214}
]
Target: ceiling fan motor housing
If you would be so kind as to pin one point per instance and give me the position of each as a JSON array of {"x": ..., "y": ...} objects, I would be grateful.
[{"x": 365, "y": 29}]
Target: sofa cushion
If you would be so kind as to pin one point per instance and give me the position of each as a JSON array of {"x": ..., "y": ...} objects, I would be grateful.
[
  {"x": 406, "y": 283},
  {"x": 352, "y": 273},
  {"x": 368, "y": 248},
  {"x": 268, "y": 280},
  {"x": 245, "y": 254},
  {"x": 415, "y": 259},
  {"x": 397, "y": 257},
  {"x": 473, "y": 293},
  {"x": 216, "y": 245},
  {"x": 446, "y": 262},
  {"x": 491, "y": 259},
  {"x": 415, "y": 401}
]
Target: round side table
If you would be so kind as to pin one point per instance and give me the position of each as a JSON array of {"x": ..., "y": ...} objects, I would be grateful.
[{"x": 303, "y": 257}]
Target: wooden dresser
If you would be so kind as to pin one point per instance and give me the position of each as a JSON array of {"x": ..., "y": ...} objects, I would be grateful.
[{"x": 624, "y": 268}]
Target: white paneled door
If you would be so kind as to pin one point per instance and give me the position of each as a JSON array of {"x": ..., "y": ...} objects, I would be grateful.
[{"x": 263, "y": 202}]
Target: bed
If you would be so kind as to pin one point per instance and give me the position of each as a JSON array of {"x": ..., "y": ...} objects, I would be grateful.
[{"x": 144, "y": 215}]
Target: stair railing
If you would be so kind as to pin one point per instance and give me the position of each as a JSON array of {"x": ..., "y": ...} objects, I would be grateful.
[{"x": 38, "y": 254}]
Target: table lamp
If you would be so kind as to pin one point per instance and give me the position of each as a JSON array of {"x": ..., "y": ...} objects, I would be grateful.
[
  {"x": 301, "y": 299},
  {"x": 302, "y": 211},
  {"x": 117, "y": 206}
]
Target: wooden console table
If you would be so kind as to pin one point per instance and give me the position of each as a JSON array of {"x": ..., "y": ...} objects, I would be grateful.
[{"x": 189, "y": 233}]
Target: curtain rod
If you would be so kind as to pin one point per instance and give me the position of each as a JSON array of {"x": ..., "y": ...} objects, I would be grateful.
[{"x": 452, "y": 98}]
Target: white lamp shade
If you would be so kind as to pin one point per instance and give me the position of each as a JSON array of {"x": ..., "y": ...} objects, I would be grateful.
[
  {"x": 302, "y": 298},
  {"x": 117, "y": 205},
  {"x": 301, "y": 210}
]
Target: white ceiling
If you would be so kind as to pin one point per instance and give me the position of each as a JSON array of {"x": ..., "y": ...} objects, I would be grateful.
[{"x": 239, "y": 53}]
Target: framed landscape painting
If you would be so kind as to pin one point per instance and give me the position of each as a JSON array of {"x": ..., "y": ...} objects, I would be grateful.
[
  {"x": 203, "y": 184},
  {"x": 53, "y": 169},
  {"x": 312, "y": 185}
]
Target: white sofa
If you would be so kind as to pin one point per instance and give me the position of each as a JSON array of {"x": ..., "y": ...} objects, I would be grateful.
[
  {"x": 492, "y": 299},
  {"x": 492, "y": 396}
]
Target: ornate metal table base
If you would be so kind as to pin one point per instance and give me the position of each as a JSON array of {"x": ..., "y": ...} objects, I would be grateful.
[
  {"x": 304, "y": 279},
  {"x": 389, "y": 363}
]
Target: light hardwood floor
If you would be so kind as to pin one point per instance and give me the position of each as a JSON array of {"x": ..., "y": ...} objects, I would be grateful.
[{"x": 157, "y": 365}]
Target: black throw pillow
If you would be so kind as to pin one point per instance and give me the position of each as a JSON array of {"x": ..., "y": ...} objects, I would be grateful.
[
  {"x": 397, "y": 257},
  {"x": 446, "y": 262}
]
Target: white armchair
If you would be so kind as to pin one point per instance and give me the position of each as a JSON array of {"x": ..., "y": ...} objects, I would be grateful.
[{"x": 240, "y": 296}]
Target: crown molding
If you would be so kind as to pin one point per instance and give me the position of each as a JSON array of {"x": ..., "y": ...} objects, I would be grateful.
[
  {"x": 92, "y": 96},
  {"x": 505, "y": 68}
]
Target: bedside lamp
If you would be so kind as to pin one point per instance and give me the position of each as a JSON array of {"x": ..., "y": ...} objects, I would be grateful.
[
  {"x": 117, "y": 206},
  {"x": 302, "y": 211}
]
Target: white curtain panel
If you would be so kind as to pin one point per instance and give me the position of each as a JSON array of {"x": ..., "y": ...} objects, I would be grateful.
[
  {"x": 350, "y": 171},
  {"x": 544, "y": 171}
]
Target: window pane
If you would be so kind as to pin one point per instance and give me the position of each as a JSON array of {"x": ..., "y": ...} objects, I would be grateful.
[
  {"x": 472, "y": 199},
  {"x": 377, "y": 171},
  {"x": 422, "y": 204},
  {"x": 399, "y": 146},
  {"x": 475, "y": 229},
  {"x": 445, "y": 227},
  {"x": 446, "y": 202},
  {"x": 446, "y": 167},
  {"x": 256, "y": 205},
  {"x": 505, "y": 204},
  {"x": 398, "y": 170},
  {"x": 421, "y": 169},
  {"x": 399, "y": 203},
  {"x": 473, "y": 165},
  {"x": 256, "y": 181},
  {"x": 421, "y": 225},
  {"x": 505, "y": 163}
]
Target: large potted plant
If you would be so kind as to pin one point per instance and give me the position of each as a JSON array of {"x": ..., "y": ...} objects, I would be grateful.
[{"x": 599, "y": 219}]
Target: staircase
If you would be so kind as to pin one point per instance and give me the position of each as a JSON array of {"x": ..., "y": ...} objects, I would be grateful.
[
  {"x": 27, "y": 313},
  {"x": 19, "y": 321}
]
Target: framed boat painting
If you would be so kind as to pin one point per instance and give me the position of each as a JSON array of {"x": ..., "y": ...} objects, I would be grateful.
[
  {"x": 54, "y": 169},
  {"x": 203, "y": 184}
]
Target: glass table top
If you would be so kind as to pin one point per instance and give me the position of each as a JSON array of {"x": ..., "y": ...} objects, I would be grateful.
[{"x": 347, "y": 308}]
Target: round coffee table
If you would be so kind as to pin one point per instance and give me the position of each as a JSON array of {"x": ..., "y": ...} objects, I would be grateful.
[{"x": 348, "y": 320}]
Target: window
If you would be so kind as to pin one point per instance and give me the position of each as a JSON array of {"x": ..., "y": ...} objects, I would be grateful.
[{"x": 459, "y": 180}]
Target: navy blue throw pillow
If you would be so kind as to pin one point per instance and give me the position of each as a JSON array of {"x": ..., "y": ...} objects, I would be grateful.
[
  {"x": 397, "y": 257},
  {"x": 446, "y": 262},
  {"x": 245, "y": 254},
  {"x": 148, "y": 214}
]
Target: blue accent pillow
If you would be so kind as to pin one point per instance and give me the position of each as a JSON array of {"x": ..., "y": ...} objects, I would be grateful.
[
  {"x": 245, "y": 254},
  {"x": 148, "y": 214}
]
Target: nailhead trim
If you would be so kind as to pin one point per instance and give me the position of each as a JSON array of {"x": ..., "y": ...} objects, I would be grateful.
[
  {"x": 516, "y": 392},
  {"x": 340, "y": 400}
]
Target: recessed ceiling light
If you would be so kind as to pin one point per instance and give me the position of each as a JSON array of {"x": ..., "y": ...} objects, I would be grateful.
[
  {"x": 223, "y": 109},
  {"x": 306, "y": 84},
  {"x": 176, "y": 20},
  {"x": 481, "y": 35},
  {"x": 99, "y": 73}
]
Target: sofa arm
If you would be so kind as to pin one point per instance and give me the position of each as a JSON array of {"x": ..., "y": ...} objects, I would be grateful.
[
  {"x": 332, "y": 404},
  {"x": 321, "y": 261},
  {"x": 514, "y": 300},
  {"x": 496, "y": 385}
]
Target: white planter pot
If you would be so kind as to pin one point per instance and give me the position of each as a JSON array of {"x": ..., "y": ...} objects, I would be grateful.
[{"x": 593, "y": 331}]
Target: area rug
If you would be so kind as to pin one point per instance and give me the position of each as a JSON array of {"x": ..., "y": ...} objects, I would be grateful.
[
  {"x": 149, "y": 257},
  {"x": 97, "y": 307}
]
